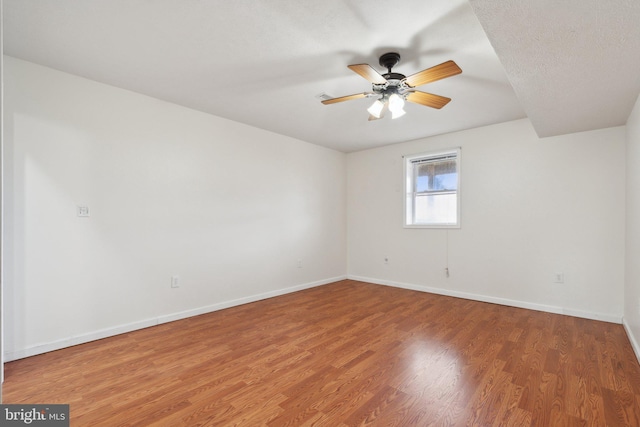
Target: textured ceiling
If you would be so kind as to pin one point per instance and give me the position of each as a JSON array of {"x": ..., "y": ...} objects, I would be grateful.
[
  {"x": 264, "y": 63},
  {"x": 574, "y": 64}
]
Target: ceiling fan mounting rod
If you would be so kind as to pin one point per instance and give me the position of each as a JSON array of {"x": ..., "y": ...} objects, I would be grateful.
[{"x": 389, "y": 60}]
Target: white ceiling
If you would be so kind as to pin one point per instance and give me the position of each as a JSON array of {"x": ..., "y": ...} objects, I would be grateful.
[{"x": 574, "y": 66}]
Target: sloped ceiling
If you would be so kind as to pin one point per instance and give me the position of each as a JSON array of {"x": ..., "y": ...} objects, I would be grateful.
[
  {"x": 574, "y": 64},
  {"x": 264, "y": 63}
]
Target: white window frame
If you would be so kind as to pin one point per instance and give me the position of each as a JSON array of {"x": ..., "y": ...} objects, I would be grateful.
[{"x": 409, "y": 195}]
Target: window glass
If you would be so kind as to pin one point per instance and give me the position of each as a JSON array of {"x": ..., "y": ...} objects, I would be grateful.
[{"x": 432, "y": 182}]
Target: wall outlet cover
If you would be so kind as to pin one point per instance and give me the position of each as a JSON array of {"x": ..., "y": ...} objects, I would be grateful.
[
  {"x": 175, "y": 281},
  {"x": 83, "y": 211}
]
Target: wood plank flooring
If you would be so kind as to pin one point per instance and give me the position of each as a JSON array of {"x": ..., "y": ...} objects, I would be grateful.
[{"x": 346, "y": 354}]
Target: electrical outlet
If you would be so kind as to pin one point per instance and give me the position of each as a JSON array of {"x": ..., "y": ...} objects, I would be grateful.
[
  {"x": 175, "y": 281},
  {"x": 83, "y": 211},
  {"x": 558, "y": 277},
  {"x": 386, "y": 260},
  {"x": 299, "y": 263}
]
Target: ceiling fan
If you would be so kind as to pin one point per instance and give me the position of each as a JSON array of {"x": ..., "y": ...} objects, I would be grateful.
[{"x": 392, "y": 89}]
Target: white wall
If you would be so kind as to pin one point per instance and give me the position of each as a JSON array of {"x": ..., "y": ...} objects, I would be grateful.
[
  {"x": 530, "y": 207},
  {"x": 229, "y": 208},
  {"x": 632, "y": 276}
]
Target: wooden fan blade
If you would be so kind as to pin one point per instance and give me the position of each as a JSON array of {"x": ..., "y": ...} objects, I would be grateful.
[
  {"x": 428, "y": 99},
  {"x": 366, "y": 71},
  {"x": 442, "y": 71},
  {"x": 345, "y": 98}
]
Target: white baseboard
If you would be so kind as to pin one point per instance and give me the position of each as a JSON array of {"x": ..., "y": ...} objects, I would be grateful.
[
  {"x": 495, "y": 300},
  {"x": 245, "y": 300},
  {"x": 632, "y": 339},
  {"x": 121, "y": 329}
]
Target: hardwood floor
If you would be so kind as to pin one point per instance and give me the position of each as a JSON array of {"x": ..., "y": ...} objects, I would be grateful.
[{"x": 346, "y": 354}]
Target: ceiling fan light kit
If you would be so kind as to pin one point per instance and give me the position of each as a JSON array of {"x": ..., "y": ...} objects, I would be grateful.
[{"x": 392, "y": 89}]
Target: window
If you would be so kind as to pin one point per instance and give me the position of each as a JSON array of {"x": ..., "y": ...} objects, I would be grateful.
[{"x": 432, "y": 186}]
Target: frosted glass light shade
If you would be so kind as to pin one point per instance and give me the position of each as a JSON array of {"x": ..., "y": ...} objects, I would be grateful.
[
  {"x": 398, "y": 113},
  {"x": 376, "y": 109},
  {"x": 395, "y": 106}
]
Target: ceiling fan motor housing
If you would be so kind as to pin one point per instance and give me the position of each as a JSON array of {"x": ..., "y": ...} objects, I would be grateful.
[
  {"x": 394, "y": 80},
  {"x": 393, "y": 76}
]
